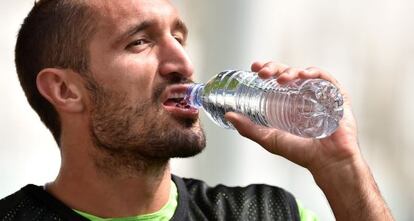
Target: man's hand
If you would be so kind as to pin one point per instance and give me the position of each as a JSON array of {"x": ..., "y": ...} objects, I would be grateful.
[
  {"x": 315, "y": 154},
  {"x": 335, "y": 161}
]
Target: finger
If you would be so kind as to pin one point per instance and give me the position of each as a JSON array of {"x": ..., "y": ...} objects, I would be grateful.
[
  {"x": 273, "y": 140},
  {"x": 257, "y": 65},
  {"x": 272, "y": 69},
  {"x": 314, "y": 72},
  {"x": 245, "y": 127},
  {"x": 289, "y": 74},
  {"x": 308, "y": 74},
  {"x": 266, "y": 137}
]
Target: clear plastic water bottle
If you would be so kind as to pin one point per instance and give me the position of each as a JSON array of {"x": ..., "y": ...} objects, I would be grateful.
[{"x": 309, "y": 108}]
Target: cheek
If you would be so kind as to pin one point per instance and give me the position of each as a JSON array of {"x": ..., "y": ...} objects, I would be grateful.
[
  {"x": 129, "y": 77},
  {"x": 138, "y": 77}
]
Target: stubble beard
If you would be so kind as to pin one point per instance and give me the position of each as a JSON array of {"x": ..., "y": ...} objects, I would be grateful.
[{"x": 132, "y": 139}]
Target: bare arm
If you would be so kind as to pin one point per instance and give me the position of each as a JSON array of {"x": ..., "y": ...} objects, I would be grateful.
[
  {"x": 352, "y": 192},
  {"x": 335, "y": 162}
]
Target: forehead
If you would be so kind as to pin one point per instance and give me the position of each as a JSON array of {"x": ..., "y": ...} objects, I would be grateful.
[{"x": 120, "y": 14}]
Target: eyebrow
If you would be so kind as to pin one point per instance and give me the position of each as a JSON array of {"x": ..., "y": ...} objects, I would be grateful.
[
  {"x": 177, "y": 25},
  {"x": 137, "y": 28},
  {"x": 132, "y": 30}
]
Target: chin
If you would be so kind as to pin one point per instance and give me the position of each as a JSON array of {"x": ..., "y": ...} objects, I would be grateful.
[
  {"x": 187, "y": 122},
  {"x": 194, "y": 137}
]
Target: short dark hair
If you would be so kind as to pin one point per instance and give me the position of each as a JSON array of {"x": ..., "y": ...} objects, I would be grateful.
[{"x": 55, "y": 34}]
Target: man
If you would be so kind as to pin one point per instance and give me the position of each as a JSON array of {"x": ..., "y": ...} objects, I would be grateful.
[{"x": 104, "y": 77}]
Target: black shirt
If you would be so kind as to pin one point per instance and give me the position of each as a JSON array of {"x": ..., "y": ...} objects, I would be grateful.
[{"x": 196, "y": 202}]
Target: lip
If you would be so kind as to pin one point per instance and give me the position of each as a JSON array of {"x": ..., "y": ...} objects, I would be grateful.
[
  {"x": 173, "y": 89},
  {"x": 174, "y": 110}
]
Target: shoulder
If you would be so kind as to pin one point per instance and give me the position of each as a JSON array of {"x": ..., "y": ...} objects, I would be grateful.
[
  {"x": 33, "y": 203},
  {"x": 257, "y": 201},
  {"x": 13, "y": 206}
]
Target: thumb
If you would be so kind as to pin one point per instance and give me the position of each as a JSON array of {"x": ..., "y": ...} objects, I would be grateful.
[
  {"x": 248, "y": 129},
  {"x": 275, "y": 141}
]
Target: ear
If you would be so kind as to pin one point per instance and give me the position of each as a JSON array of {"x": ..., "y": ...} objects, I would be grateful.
[{"x": 61, "y": 89}]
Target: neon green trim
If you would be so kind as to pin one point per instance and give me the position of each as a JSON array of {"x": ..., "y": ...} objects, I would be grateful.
[
  {"x": 306, "y": 214},
  {"x": 164, "y": 214}
]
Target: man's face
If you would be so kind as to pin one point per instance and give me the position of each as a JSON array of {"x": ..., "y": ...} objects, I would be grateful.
[{"x": 137, "y": 65}]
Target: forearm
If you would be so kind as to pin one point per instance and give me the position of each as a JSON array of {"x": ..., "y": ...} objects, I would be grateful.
[{"x": 352, "y": 192}]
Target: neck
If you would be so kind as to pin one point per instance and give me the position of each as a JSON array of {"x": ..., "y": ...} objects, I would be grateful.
[{"x": 84, "y": 186}]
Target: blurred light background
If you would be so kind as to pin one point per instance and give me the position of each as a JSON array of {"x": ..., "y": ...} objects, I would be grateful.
[{"x": 367, "y": 45}]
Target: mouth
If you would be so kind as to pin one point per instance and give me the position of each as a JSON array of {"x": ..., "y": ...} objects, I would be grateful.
[{"x": 174, "y": 102}]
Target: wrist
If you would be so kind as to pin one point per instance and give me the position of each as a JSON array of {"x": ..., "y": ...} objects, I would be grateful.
[
  {"x": 353, "y": 169},
  {"x": 351, "y": 191}
]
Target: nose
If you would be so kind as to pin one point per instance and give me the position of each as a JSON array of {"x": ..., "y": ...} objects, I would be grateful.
[{"x": 174, "y": 59}]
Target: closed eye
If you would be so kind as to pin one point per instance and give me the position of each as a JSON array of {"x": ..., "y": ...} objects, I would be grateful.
[
  {"x": 180, "y": 37},
  {"x": 137, "y": 43},
  {"x": 180, "y": 40}
]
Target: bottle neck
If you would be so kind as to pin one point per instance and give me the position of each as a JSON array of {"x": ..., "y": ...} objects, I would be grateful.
[{"x": 193, "y": 95}]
